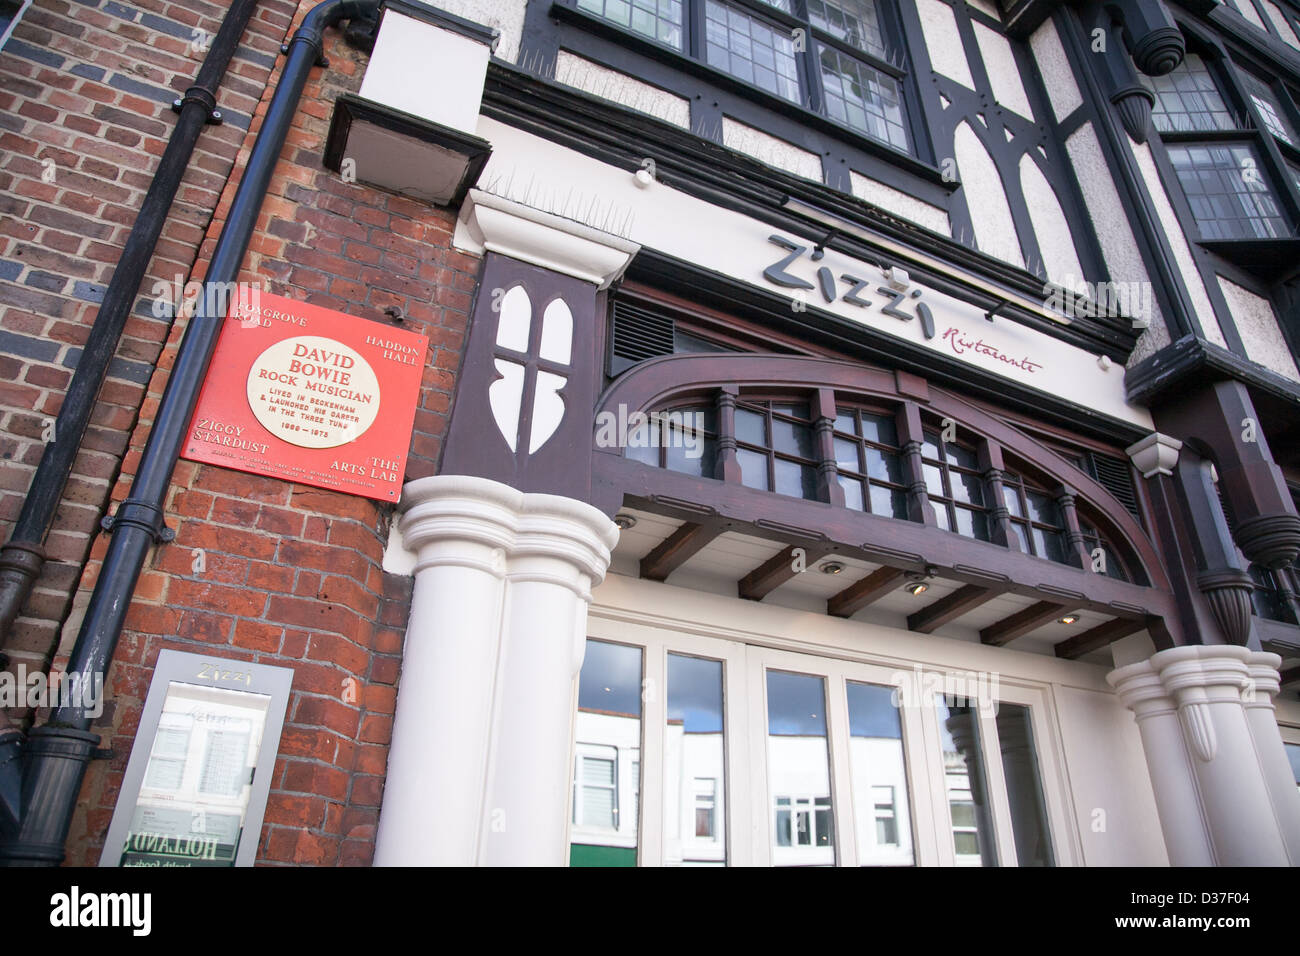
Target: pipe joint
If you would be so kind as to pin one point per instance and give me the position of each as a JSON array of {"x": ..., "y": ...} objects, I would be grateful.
[
  {"x": 143, "y": 515},
  {"x": 204, "y": 98}
]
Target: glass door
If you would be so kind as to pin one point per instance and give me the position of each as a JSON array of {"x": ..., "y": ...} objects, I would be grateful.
[{"x": 694, "y": 751}]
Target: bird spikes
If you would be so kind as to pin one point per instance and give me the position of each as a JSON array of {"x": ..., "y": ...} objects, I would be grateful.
[{"x": 604, "y": 216}]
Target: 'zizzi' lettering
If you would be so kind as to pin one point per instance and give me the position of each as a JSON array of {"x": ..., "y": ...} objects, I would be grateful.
[{"x": 778, "y": 274}]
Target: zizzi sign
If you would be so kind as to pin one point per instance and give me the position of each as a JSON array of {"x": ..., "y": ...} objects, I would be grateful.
[
  {"x": 895, "y": 297},
  {"x": 310, "y": 395}
]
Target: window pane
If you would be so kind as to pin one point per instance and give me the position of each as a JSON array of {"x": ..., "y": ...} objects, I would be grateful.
[
  {"x": 797, "y": 480},
  {"x": 751, "y": 427},
  {"x": 853, "y": 493},
  {"x": 1270, "y": 111},
  {"x": 753, "y": 469},
  {"x": 889, "y": 502},
  {"x": 963, "y": 769},
  {"x": 856, "y": 22},
  {"x": 799, "y": 771},
  {"x": 1043, "y": 509},
  {"x": 941, "y": 518},
  {"x": 1188, "y": 99},
  {"x": 792, "y": 439},
  {"x": 883, "y": 466},
  {"x": 1293, "y": 755},
  {"x": 1022, "y": 536},
  {"x": 864, "y": 98},
  {"x": 1227, "y": 191},
  {"x": 1024, "y": 788},
  {"x": 1011, "y": 495},
  {"x": 690, "y": 453},
  {"x": 1049, "y": 544},
  {"x": 752, "y": 50},
  {"x": 694, "y": 766},
  {"x": 879, "y": 428},
  {"x": 972, "y": 524},
  {"x": 846, "y": 455},
  {"x": 968, "y": 488},
  {"x": 607, "y": 755},
  {"x": 846, "y": 421},
  {"x": 961, "y": 456},
  {"x": 881, "y": 810},
  {"x": 934, "y": 480}
]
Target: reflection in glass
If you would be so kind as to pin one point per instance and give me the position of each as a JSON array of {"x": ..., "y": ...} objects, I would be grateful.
[
  {"x": 198, "y": 781},
  {"x": 1024, "y": 788},
  {"x": 1293, "y": 755},
  {"x": 880, "y": 804},
  {"x": 606, "y": 770},
  {"x": 963, "y": 772},
  {"x": 799, "y": 771},
  {"x": 694, "y": 773}
]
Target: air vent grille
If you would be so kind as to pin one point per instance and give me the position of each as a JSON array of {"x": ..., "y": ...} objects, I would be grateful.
[
  {"x": 1114, "y": 474},
  {"x": 638, "y": 334}
]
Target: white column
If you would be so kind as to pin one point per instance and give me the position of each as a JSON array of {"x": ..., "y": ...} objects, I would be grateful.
[
  {"x": 479, "y": 761},
  {"x": 1182, "y": 819},
  {"x": 1262, "y": 719},
  {"x": 562, "y": 549},
  {"x": 1208, "y": 773}
]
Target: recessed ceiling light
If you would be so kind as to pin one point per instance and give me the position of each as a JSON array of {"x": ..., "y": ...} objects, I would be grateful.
[
  {"x": 917, "y": 588},
  {"x": 625, "y": 521},
  {"x": 832, "y": 567},
  {"x": 1070, "y": 619}
]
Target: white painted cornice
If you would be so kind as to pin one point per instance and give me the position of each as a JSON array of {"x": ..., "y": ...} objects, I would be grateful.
[{"x": 490, "y": 223}]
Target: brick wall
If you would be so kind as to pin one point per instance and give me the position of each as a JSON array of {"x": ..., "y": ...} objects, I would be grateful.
[
  {"x": 85, "y": 94},
  {"x": 291, "y": 575}
]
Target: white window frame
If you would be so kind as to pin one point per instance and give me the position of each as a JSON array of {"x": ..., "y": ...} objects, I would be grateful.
[{"x": 747, "y": 810}]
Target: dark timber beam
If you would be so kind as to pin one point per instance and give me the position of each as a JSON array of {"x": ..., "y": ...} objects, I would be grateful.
[
  {"x": 678, "y": 548},
  {"x": 1021, "y": 623},
  {"x": 867, "y": 591},
  {"x": 1290, "y": 675},
  {"x": 1098, "y": 637},
  {"x": 775, "y": 571},
  {"x": 949, "y": 608}
]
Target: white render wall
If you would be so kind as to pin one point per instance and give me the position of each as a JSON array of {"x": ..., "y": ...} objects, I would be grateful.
[
  {"x": 899, "y": 203},
  {"x": 583, "y": 74},
  {"x": 1257, "y": 325}
]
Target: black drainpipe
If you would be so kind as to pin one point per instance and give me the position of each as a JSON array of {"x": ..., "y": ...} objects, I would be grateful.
[
  {"x": 56, "y": 753},
  {"x": 22, "y": 558}
]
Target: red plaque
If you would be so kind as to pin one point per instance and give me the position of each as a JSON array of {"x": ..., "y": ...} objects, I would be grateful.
[{"x": 310, "y": 395}]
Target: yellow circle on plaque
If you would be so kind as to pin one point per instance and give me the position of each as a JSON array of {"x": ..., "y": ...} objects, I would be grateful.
[{"x": 313, "y": 392}]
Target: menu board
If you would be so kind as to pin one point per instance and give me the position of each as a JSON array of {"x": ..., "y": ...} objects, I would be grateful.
[{"x": 194, "y": 797}]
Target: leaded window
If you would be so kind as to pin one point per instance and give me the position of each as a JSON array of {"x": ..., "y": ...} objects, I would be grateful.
[
  {"x": 660, "y": 20},
  {"x": 867, "y": 459},
  {"x": 1227, "y": 192},
  {"x": 1036, "y": 519},
  {"x": 955, "y": 487},
  {"x": 1189, "y": 99},
  {"x": 751, "y": 49},
  {"x": 681, "y": 439},
  {"x": 775, "y": 448},
  {"x": 1229, "y": 136},
  {"x": 835, "y": 57}
]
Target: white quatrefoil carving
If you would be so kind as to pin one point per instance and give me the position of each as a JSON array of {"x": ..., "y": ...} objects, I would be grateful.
[{"x": 514, "y": 364}]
